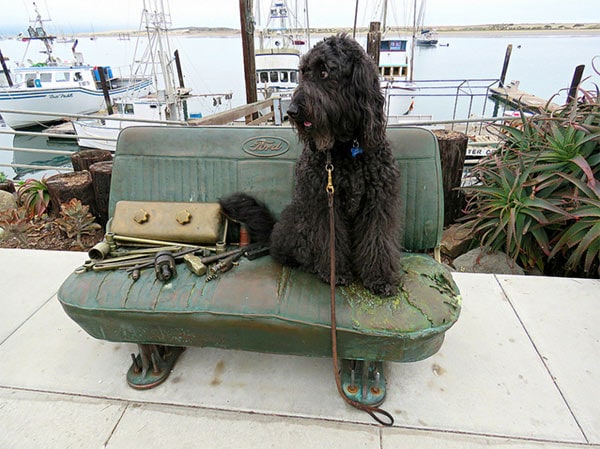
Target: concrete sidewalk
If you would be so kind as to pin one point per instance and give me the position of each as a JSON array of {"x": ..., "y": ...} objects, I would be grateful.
[{"x": 520, "y": 369}]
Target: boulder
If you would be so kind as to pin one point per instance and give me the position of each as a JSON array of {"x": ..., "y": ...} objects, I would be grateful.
[
  {"x": 479, "y": 261},
  {"x": 456, "y": 240},
  {"x": 7, "y": 201}
]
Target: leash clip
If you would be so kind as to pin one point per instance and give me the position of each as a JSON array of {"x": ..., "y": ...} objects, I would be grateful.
[{"x": 330, "y": 189}]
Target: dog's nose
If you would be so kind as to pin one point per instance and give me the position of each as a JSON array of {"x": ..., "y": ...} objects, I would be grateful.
[{"x": 293, "y": 110}]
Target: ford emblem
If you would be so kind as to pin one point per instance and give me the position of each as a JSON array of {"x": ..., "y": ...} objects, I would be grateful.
[{"x": 265, "y": 146}]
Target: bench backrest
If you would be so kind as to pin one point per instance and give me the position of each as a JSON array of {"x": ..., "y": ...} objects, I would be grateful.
[{"x": 202, "y": 164}]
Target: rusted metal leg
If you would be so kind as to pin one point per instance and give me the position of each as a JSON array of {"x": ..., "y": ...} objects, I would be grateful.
[
  {"x": 152, "y": 365},
  {"x": 363, "y": 381}
]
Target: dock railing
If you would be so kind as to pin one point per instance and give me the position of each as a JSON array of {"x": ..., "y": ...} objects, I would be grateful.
[
  {"x": 259, "y": 113},
  {"x": 457, "y": 100},
  {"x": 467, "y": 107}
]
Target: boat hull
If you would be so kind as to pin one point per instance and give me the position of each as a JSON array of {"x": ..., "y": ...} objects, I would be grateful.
[{"x": 58, "y": 101}]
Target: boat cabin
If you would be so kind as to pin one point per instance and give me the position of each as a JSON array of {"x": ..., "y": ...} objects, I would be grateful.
[
  {"x": 393, "y": 58},
  {"x": 60, "y": 76},
  {"x": 277, "y": 70}
]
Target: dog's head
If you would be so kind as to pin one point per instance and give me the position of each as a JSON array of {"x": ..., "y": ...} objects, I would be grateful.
[{"x": 338, "y": 97}]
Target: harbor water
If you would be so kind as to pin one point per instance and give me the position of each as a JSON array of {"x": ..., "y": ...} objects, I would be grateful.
[{"x": 542, "y": 63}]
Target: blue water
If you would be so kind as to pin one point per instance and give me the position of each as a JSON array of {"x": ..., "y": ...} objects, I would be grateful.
[{"x": 543, "y": 64}]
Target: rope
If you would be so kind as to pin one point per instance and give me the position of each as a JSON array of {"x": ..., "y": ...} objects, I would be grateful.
[{"x": 387, "y": 419}]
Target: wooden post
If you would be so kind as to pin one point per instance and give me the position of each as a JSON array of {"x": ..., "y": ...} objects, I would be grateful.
[
  {"x": 5, "y": 69},
  {"x": 101, "y": 173},
  {"x": 247, "y": 28},
  {"x": 66, "y": 186},
  {"x": 575, "y": 83},
  {"x": 104, "y": 86},
  {"x": 181, "y": 83},
  {"x": 505, "y": 65},
  {"x": 453, "y": 150},
  {"x": 83, "y": 159},
  {"x": 374, "y": 41}
]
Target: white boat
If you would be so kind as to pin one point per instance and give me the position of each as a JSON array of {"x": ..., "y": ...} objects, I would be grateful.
[
  {"x": 396, "y": 56},
  {"x": 166, "y": 105},
  {"x": 57, "y": 88},
  {"x": 427, "y": 38},
  {"x": 395, "y": 79},
  {"x": 278, "y": 56},
  {"x": 424, "y": 37}
]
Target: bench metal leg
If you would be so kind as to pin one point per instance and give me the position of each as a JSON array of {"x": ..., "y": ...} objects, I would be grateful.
[
  {"x": 363, "y": 381},
  {"x": 152, "y": 365}
]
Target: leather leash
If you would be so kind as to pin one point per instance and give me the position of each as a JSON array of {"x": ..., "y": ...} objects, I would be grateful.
[{"x": 388, "y": 419}]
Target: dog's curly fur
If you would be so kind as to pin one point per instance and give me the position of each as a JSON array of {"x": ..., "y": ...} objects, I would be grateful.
[{"x": 339, "y": 106}]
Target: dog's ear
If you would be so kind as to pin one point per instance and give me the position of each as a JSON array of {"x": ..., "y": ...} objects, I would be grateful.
[{"x": 370, "y": 99}]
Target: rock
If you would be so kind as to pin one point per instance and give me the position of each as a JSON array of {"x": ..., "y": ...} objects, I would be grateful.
[
  {"x": 478, "y": 261},
  {"x": 7, "y": 201},
  {"x": 456, "y": 240},
  {"x": 8, "y": 186}
]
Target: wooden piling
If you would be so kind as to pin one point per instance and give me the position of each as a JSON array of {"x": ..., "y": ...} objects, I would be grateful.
[
  {"x": 247, "y": 31},
  {"x": 453, "y": 150},
  {"x": 505, "y": 65},
  {"x": 575, "y": 83},
  {"x": 374, "y": 41}
]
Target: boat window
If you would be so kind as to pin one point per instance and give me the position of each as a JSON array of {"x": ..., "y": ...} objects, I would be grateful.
[
  {"x": 387, "y": 71},
  {"x": 283, "y": 76},
  {"x": 404, "y": 71},
  {"x": 45, "y": 77},
  {"x": 129, "y": 108},
  {"x": 396, "y": 71},
  {"x": 264, "y": 77},
  {"x": 29, "y": 76},
  {"x": 62, "y": 76},
  {"x": 273, "y": 76},
  {"x": 294, "y": 77}
]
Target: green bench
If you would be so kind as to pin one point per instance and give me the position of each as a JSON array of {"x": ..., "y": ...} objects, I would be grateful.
[{"x": 261, "y": 305}]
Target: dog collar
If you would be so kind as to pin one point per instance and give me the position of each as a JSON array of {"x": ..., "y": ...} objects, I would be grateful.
[{"x": 356, "y": 150}]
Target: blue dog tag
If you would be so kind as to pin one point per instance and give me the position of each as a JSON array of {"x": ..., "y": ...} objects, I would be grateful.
[{"x": 356, "y": 151}]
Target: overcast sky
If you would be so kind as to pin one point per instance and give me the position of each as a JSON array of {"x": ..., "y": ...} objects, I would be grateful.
[{"x": 69, "y": 16}]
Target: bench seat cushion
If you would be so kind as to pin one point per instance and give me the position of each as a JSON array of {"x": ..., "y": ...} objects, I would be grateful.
[{"x": 262, "y": 306}]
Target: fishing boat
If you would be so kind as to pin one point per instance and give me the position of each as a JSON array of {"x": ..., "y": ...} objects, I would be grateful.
[
  {"x": 166, "y": 105},
  {"x": 60, "y": 87},
  {"x": 281, "y": 44}
]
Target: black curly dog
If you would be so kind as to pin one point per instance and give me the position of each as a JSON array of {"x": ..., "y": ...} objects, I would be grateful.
[{"x": 338, "y": 107}]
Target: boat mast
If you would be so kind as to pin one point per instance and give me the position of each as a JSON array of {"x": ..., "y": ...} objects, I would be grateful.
[
  {"x": 38, "y": 32},
  {"x": 414, "y": 42}
]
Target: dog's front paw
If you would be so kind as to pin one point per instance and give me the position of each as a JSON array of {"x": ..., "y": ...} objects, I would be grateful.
[
  {"x": 340, "y": 279},
  {"x": 382, "y": 289}
]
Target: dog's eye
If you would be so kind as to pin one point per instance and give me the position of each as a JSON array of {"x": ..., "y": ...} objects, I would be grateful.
[{"x": 324, "y": 74}]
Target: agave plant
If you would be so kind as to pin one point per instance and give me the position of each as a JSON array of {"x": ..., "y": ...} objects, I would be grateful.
[
  {"x": 34, "y": 197},
  {"x": 538, "y": 198},
  {"x": 507, "y": 213},
  {"x": 579, "y": 242}
]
